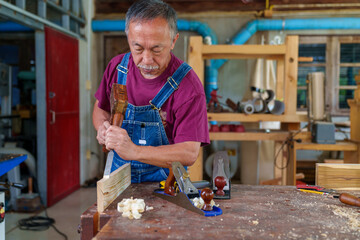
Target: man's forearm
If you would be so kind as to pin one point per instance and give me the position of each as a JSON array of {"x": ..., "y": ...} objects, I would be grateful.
[
  {"x": 99, "y": 116},
  {"x": 162, "y": 156}
]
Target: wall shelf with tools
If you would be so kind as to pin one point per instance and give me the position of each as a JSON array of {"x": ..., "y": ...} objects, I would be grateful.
[
  {"x": 286, "y": 57},
  {"x": 286, "y": 89},
  {"x": 351, "y": 149}
]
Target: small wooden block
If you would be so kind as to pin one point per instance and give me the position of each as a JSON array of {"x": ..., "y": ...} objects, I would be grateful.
[
  {"x": 333, "y": 160},
  {"x": 109, "y": 189},
  {"x": 338, "y": 176}
]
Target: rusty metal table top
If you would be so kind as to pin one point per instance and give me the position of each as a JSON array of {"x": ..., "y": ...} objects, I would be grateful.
[{"x": 253, "y": 212}]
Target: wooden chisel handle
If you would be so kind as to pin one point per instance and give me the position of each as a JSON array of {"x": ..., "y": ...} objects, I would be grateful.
[
  {"x": 169, "y": 184},
  {"x": 118, "y": 102},
  {"x": 349, "y": 199}
]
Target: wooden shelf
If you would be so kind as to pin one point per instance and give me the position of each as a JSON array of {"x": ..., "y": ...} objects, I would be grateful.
[
  {"x": 286, "y": 57},
  {"x": 339, "y": 146},
  {"x": 243, "y": 51},
  {"x": 240, "y": 117},
  {"x": 248, "y": 136}
]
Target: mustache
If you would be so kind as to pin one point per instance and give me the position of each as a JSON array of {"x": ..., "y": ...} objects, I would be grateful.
[{"x": 147, "y": 67}]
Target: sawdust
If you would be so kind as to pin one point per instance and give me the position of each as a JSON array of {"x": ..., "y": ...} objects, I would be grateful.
[{"x": 351, "y": 214}]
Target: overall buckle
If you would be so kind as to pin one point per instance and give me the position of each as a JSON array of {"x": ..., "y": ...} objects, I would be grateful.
[
  {"x": 153, "y": 106},
  {"x": 125, "y": 70},
  {"x": 174, "y": 82}
]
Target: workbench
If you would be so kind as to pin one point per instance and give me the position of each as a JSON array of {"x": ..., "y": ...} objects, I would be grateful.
[
  {"x": 253, "y": 212},
  {"x": 7, "y": 163}
]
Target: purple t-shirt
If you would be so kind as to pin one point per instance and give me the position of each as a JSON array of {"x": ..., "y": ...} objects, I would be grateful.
[{"x": 186, "y": 116}]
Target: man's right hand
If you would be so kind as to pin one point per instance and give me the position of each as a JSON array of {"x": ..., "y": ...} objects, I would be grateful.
[{"x": 101, "y": 133}]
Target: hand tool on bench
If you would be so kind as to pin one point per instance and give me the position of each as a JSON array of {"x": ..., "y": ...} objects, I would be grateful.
[
  {"x": 221, "y": 183},
  {"x": 345, "y": 198},
  {"x": 118, "y": 103},
  {"x": 187, "y": 191},
  {"x": 349, "y": 199}
]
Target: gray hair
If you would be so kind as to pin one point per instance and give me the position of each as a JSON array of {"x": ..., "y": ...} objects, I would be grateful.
[{"x": 150, "y": 9}]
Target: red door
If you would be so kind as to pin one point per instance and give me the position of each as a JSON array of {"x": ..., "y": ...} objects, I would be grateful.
[{"x": 62, "y": 86}]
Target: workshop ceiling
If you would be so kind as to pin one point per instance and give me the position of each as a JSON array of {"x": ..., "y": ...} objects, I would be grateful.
[{"x": 193, "y": 6}]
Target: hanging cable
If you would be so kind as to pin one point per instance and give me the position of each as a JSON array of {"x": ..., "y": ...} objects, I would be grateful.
[{"x": 289, "y": 142}]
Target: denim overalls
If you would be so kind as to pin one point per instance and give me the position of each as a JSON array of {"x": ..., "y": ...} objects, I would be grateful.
[{"x": 144, "y": 125}]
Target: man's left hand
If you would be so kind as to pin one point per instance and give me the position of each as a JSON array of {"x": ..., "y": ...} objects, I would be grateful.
[{"x": 118, "y": 139}]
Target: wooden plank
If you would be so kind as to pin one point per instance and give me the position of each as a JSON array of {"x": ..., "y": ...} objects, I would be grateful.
[
  {"x": 109, "y": 189},
  {"x": 334, "y": 161},
  {"x": 243, "y": 51},
  {"x": 240, "y": 117},
  {"x": 291, "y": 74},
  {"x": 339, "y": 146},
  {"x": 305, "y": 59},
  {"x": 277, "y": 181},
  {"x": 338, "y": 176},
  {"x": 249, "y": 136}
]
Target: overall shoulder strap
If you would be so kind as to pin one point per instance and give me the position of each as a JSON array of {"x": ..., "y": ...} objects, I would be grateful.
[
  {"x": 123, "y": 70},
  {"x": 170, "y": 86}
]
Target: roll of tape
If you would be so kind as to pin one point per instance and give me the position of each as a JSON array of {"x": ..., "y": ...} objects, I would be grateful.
[{"x": 248, "y": 109}]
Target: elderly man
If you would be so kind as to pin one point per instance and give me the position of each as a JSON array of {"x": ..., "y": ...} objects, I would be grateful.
[{"x": 166, "y": 119}]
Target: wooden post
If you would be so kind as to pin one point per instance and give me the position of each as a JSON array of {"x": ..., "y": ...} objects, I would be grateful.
[
  {"x": 280, "y": 80},
  {"x": 196, "y": 61},
  {"x": 291, "y": 73},
  {"x": 281, "y": 161},
  {"x": 354, "y": 104},
  {"x": 109, "y": 189},
  {"x": 291, "y": 167}
]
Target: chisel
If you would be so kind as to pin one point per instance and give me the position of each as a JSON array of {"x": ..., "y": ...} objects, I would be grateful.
[{"x": 118, "y": 103}]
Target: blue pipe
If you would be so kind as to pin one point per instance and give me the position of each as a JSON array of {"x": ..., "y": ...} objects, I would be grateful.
[
  {"x": 9, "y": 26},
  {"x": 183, "y": 25},
  {"x": 108, "y": 25},
  {"x": 291, "y": 24},
  {"x": 211, "y": 72}
]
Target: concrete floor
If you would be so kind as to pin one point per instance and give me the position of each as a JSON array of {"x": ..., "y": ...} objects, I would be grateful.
[{"x": 66, "y": 214}]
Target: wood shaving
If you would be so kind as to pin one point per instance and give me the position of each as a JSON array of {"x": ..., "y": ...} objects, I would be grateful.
[
  {"x": 199, "y": 202},
  {"x": 132, "y": 208},
  {"x": 352, "y": 215},
  {"x": 148, "y": 208}
]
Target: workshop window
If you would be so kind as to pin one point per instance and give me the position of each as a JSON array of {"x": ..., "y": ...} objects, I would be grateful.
[
  {"x": 349, "y": 68},
  {"x": 318, "y": 53},
  {"x": 339, "y": 58}
]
